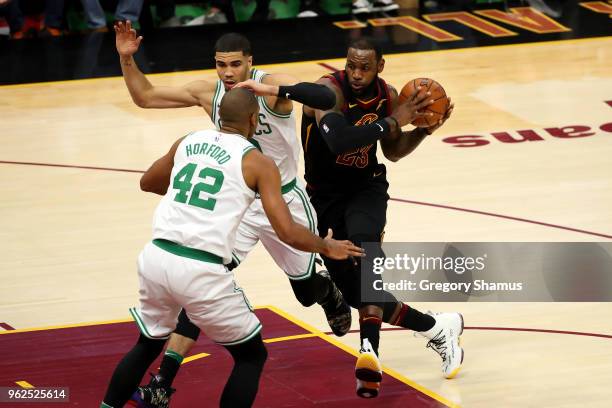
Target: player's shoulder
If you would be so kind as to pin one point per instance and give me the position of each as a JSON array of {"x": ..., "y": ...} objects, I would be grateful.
[
  {"x": 329, "y": 80},
  {"x": 392, "y": 89},
  {"x": 256, "y": 163}
]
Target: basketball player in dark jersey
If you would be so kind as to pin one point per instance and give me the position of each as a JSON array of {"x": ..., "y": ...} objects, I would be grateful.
[{"x": 348, "y": 189}]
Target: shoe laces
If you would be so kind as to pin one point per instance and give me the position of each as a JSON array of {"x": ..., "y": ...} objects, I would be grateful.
[
  {"x": 438, "y": 344},
  {"x": 159, "y": 394}
]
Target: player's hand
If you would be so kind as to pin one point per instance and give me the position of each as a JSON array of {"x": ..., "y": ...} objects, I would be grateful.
[
  {"x": 413, "y": 108},
  {"x": 341, "y": 249},
  {"x": 435, "y": 127},
  {"x": 258, "y": 88},
  {"x": 125, "y": 39}
]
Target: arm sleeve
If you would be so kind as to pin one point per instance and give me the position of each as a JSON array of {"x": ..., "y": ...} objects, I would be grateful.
[
  {"x": 342, "y": 137},
  {"x": 314, "y": 95}
]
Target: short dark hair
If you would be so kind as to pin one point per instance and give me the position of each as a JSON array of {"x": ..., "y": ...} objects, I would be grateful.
[
  {"x": 233, "y": 42},
  {"x": 366, "y": 44},
  {"x": 237, "y": 106}
]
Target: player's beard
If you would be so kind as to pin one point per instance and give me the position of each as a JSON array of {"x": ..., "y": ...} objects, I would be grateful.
[{"x": 367, "y": 91}]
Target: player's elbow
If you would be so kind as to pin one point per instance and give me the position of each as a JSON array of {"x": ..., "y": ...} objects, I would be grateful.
[
  {"x": 328, "y": 98},
  {"x": 285, "y": 234},
  {"x": 392, "y": 157},
  {"x": 148, "y": 185},
  {"x": 143, "y": 97},
  {"x": 141, "y": 101},
  {"x": 145, "y": 184},
  {"x": 333, "y": 143},
  {"x": 287, "y": 239}
]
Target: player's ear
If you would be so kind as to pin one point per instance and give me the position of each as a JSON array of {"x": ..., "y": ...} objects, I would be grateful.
[
  {"x": 250, "y": 61},
  {"x": 381, "y": 65},
  {"x": 254, "y": 119}
]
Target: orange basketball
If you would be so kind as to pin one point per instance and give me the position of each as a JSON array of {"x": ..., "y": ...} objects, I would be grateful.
[{"x": 438, "y": 108}]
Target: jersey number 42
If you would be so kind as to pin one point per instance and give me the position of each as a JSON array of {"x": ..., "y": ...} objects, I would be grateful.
[{"x": 212, "y": 180}]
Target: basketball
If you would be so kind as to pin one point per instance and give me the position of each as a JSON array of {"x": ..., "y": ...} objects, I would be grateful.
[{"x": 438, "y": 108}]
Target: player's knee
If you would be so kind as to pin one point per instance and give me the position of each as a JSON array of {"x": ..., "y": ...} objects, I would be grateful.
[
  {"x": 251, "y": 352},
  {"x": 151, "y": 347},
  {"x": 353, "y": 299},
  {"x": 186, "y": 328},
  {"x": 390, "y": 306},
  {"x": 304, "y": 291},
  {"x": 261, "y": 355}
]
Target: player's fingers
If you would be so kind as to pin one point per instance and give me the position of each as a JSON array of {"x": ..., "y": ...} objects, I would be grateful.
[
  {"x": 330, "y": 233},
  {"x": 244, "y": 84},
  {"x": 448, "y": 112},
  {"x": 353, "y": 247},
  {"x": 138, "y": 40},
  {"x": 415, "y": 93},
  {"x": 424, "y": 103},
  {"x": 356, "y": 251},
  {"x": 423, "y": 98},
  {"x": 128, "y": 25}
]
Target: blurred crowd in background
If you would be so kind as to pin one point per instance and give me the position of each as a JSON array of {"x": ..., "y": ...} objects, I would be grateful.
[{"x": 52, "y": 18}]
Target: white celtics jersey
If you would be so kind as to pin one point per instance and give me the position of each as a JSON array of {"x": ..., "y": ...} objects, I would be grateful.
[
  {"x": 275, "y": 136},
  {"x": 207, "y": 195}
]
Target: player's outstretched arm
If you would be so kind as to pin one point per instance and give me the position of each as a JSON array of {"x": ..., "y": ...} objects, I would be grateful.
[
  {"x": 143, "y": 93},
  {"x": 157, "y": 178},
  {"x": 285, "y": 88},
  {"x": 262, "y": 173}
]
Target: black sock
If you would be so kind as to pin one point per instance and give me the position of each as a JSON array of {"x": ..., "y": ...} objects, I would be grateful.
[
  {"x": 369, "y": 326},
  {"x": 131, "y": 369},
  {"x": 169, "y": 367},
  {"x": 413, "y": 319}
]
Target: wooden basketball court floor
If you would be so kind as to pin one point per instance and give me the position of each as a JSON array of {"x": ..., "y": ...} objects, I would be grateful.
[{"x": 73, "y": 219}]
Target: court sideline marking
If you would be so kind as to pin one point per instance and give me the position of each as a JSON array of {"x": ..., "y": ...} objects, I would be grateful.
[{"x": 447, "y": 207}]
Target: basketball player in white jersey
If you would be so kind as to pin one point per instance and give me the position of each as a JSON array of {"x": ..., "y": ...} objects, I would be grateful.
[
  {"x": 276, "y": 137},
  {"x": 209, "y": 179}
]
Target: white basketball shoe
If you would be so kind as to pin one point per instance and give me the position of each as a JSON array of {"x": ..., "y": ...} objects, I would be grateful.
[
  {"x": 368, "y": 371},
  {"x": 444, "y": 340}
]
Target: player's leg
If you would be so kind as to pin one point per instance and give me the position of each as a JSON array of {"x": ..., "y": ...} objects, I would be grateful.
[
  {"x": 156, "y": 318},
  {"x": 181, "y": 341},
  {"x": 308, "y": 286},
  {"x": 366, "y": 217},
  {"x": 186, "y": 333},
  {"x": 229, "y": 320},
  {"x": 241, "y": 387},
  {"x": 131, "y": 369}
]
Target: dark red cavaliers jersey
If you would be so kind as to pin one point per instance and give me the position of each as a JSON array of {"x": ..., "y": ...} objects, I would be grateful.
[{"x": 349, "y": 169}]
